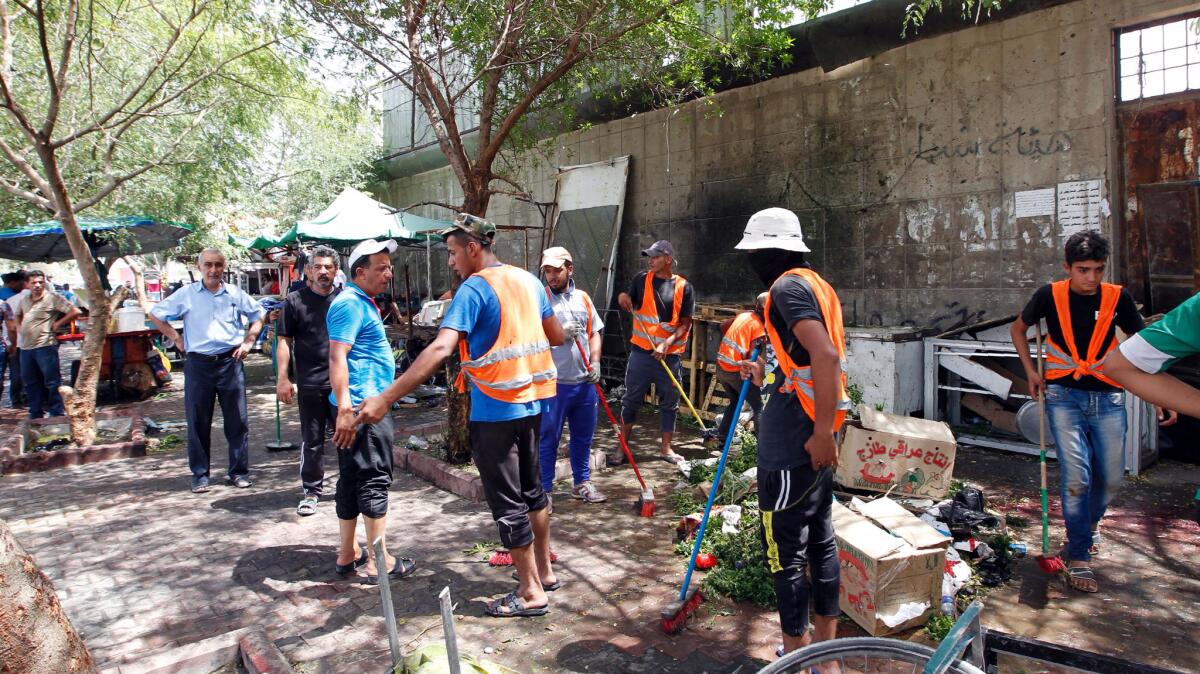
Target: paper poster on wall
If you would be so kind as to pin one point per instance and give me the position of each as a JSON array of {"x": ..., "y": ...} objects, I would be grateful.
[
  {"x": 1032, "y": 203},
  {"x": 1079, "y": 206}
]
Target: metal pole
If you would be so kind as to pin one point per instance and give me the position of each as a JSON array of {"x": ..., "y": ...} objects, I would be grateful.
[
  {"x": 428, "y": 270},
  {"x": 385, "y": 593},
  {"x": 448, "y": 629}
]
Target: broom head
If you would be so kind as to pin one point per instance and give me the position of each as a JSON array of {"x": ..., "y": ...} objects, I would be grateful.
[
  {"x": 645, "y": 502},
  {"x": 675, "y": 615}
]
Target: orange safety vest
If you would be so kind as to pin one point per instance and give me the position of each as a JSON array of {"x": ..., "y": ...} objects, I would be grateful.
[
  {"x": 746, "y": 329},
  {"x": 799, "y": 380},
  {"x": 648, "y": 331},
  {"x": 1060, "y": 362},
  {"x": 518, "y": 368}
]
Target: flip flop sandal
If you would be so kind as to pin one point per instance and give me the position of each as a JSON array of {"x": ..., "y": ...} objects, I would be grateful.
[
  {"x": 1076, "y": 574},
  {"x": 1095, "y": 549},
  {"x": 347, "y": 569},
  {"x": 504, "y": 558},
  {"x": 308, "y": 506},
  {"x": 512, "y": 606},
  {"x": 403, "y": 568},
  {"x": 548, "y": 588},
  {"x": 671, "y": 458}
]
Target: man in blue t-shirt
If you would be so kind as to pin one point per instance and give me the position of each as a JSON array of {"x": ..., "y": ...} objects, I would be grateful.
[
  {"x": 360, "y": 366},
  {"x": 504, "y": 435}
]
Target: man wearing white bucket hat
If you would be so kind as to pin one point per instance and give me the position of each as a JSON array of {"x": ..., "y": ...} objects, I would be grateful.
[{"x": 802, "y": 375}]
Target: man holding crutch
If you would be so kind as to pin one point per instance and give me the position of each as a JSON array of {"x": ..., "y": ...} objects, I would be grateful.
[{"x": 662, "y": 303}]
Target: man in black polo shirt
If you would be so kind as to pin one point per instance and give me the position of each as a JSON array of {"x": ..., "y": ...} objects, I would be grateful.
[{"x": 302, "y": 326}]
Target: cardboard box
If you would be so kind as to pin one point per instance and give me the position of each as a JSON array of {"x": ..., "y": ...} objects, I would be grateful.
[
  {"x": 891, "y": 566},
  {"x": 883, "y": 450}
]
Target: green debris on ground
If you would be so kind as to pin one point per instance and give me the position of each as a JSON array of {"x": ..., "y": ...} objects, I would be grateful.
[
  {"x": 482, "y": 550},
  {"x": 938, "y": 626},
  {"x": 741, "y": 573}
]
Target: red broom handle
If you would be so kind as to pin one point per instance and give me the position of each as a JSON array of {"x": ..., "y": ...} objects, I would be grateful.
[{"x": 612, "y": 419}]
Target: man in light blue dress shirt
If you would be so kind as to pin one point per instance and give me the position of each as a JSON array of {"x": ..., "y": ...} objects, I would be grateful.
[{"x": 220, "y": 326}]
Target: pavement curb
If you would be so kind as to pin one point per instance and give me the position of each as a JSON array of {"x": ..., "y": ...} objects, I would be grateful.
[
  {"x": 14, "y": 460},
  {"x": 260, "y": 655}
]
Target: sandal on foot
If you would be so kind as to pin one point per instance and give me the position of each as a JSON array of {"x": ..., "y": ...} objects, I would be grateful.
[
  {"x": 512, "y": 606},
  {"x": 347, "y": 569},
  {"x": 548, "y": 588},
  {"x": 308, "y": 506},
  {"x": 403, "y": 568},
  {"x": 1077, "y": 576},
  {"x": 1095, "y": 549},
  {"x": 504, "y": 558},
  {"x": 671, "y": 458}
]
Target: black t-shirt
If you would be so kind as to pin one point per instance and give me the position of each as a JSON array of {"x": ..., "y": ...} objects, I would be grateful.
[
  {"x": 1084, "y": 311},
  {"x": 664, "y": 297},
  {"x": 303, "y": 320},
  {"x": 785, "y": 426}
]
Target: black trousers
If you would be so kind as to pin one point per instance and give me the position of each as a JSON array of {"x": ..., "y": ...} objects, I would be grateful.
[
  {"x": 365, "y": 471},
  {"x": 317, "y": 422},
  {"x": 506, "y": 454},
  {"x": 798, "y": 541},
  {"x": 223, "y": 378}
]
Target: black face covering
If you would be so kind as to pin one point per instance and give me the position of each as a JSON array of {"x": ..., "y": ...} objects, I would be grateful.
[{"x": 771, "y": 263}]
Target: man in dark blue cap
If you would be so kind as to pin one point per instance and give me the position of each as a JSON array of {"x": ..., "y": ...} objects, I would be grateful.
[{"x": 661, "y": 303}]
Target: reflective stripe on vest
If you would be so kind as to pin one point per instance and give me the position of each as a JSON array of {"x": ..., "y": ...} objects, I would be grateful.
[
  {"x": 745, "y": 329},
  {"x": 518, "y": 368},
  {"x": 1060, "y": 362},
  {"x": 648, "y": 331},
  {"x": 798, "y": 379}
]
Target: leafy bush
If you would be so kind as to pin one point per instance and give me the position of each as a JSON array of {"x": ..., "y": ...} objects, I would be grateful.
[
  {"x": 938, "y": 626},
  {"x": 741, "y": 573}
]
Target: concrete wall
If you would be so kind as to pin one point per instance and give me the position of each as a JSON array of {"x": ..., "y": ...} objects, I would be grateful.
[{"x": 902, "y": 167}]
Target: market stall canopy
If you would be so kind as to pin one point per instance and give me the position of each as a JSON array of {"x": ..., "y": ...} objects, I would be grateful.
[
  {"x": 354, "y": 216},
  {"x": 121, "y": 235}
]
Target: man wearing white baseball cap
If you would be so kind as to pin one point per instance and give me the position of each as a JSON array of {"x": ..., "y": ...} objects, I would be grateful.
[
  {"x": 361, "y": 365},
  {"x": 806, "y": 405},
  {"x": 575, "y": 397}
]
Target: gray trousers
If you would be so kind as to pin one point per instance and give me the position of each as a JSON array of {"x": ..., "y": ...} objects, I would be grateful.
[{"x": 640, "y": 372}]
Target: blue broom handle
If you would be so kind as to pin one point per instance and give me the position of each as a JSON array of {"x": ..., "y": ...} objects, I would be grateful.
[{"x": 716, "y": 483}]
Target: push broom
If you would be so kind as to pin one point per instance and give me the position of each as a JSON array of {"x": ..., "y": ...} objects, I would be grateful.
[
  {"x": 279, "y": 445},
  {"x": 676, "y": 613},
  {"x": 1051, "y": 564},
  {"x": 645, "y": 502}
]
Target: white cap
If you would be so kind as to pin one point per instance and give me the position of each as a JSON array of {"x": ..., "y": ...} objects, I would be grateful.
[
  {"x": 773, "y": 228},
  {"x": 370, "y": 247},
  {"x": 556, "y": 257}
]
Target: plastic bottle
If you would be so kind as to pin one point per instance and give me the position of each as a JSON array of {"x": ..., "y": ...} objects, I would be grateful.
[{"x": 947, "y": 605}]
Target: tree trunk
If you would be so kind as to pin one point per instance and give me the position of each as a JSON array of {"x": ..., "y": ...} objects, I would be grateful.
[
  {"x": 80, "y": 401},
  {"x": 36, "y": 636}
]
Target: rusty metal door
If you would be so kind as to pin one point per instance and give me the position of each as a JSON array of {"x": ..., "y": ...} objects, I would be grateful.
[{"x": 1171, "y": 218}]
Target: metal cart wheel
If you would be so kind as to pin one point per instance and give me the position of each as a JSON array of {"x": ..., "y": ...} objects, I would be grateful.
[
  {"x": 862, "y": 655},
  {"x": 872, "y": 655}
]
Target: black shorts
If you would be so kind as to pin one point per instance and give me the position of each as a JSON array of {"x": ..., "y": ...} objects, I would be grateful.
[
  {"x": 798, "y": 542},
  {"x": 365, "y": 472},
  {"x": 506, "y": 454}
]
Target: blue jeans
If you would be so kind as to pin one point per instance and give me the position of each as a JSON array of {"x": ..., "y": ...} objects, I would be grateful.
[
  {"x": 575, "y": 404},
  {"x": 41, "y": 376},
  {"x": 223, "y": 378},
  {"x": 1089, "y": 434},
  {"x": 16, "y": 387}
]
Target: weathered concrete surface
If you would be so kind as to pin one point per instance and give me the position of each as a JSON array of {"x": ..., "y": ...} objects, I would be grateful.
[{"x": 141, "y": 564}]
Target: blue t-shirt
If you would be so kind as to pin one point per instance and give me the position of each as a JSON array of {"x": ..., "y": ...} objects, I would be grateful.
[
  {"x": 6, "y": 292},
  {"x": 354, "y": 320},
  {"x": 476, "y": 311}
]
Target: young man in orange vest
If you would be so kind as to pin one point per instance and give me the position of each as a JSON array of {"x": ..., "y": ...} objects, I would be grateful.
[
  {"x": 802, "y": 374},
  {"x": 503, "y": 327},
  {"x": 1085, "y": 410},
  {"x": 739, "y": 336},
  {"x": 661, "y": 303}
]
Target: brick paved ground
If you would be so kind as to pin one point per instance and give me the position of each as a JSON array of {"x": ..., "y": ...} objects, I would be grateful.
[{"x": 142, "y": 564}]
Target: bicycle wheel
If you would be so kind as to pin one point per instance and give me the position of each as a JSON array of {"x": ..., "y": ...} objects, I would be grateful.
[{"x": 862, "y": 655}]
